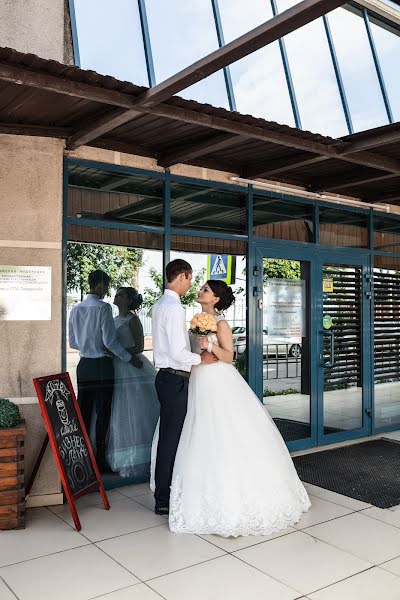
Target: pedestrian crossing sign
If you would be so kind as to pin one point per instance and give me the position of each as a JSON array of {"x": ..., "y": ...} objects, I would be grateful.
[{"x": 221, "y": 267}]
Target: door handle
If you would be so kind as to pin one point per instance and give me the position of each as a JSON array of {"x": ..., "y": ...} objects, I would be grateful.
[{"x": 331, "y": 336}]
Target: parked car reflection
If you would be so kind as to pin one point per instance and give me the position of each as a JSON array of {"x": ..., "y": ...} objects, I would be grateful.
[{"x": 273, "y": 345}]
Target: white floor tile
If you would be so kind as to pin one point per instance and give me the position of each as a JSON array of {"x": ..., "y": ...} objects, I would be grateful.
[
  {"x": 125, "y": 516},
  {"x": 393, "y": 566},
  {"x": 135, "y": 490},
  {"x": 362, "y": 536},
  {"x": 135, "y": 592},
  {"x": 146, "y": 500},
  {"x": 370, "y": 585},
  {"x": 321, "y": 511},
  {"x": 301, "y": 562},
  {"x": 157, "y": 551},
  {"x": 5, "y": 592},
  {"x": 92, "y": 499},
  {"x": 79, "y": 574},
  {"x": 41, "y": 536},
  {"x": 336, "y": 498},
  {"x": 219, "y": 579},
  {"x": 232, "y": 544},
  {"x": 387, "y": 516}
]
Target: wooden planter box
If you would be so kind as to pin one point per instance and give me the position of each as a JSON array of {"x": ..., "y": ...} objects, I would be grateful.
[{"x": 12, "y": 488}]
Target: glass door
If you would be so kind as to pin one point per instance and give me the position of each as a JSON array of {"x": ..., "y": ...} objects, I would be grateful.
[
  {"x": 344, "y": 356},
  {"x": 284, "y": 350}
]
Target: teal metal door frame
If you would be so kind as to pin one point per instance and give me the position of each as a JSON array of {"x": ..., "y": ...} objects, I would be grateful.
[{"x": 316, "y": 256}]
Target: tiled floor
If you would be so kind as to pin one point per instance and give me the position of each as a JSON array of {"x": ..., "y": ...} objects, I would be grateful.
[{"x": 342, "y": 548}]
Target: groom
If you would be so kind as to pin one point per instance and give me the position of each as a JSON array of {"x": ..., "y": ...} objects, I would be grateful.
[{"x": 173, "y": 358}]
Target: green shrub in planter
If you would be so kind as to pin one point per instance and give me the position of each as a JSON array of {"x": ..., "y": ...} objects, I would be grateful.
[{"x": 9, "y": 414}]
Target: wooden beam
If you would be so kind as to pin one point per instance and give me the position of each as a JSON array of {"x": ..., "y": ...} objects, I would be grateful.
[
  {"x": 98, "y": 126},
  {"x": 373, "y": 139},
  {"x": 282, "y": 165},
  {"x": 335, "y": 183},
  {"x": 59, "y": 84},
  {"x": 190, "y": 152},
  {"x": 277, "y": 137},
  {"x": 282, "y": 24},
  {"x": 37, "y": 130},
  {"x": 289, "y": 20}
]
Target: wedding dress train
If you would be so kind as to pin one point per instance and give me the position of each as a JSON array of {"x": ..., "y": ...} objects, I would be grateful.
[{"x": 233, "y": 474}]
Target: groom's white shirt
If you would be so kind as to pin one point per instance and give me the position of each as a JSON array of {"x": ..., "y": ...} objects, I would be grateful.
[{"x": 171, "y": 345}]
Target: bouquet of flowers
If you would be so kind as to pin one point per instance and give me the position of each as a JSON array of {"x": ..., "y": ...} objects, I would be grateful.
[{"x": 203, "y": 324}]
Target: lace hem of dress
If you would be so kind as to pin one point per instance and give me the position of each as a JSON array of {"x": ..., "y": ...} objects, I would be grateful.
[{"x": 253, "y": 520}]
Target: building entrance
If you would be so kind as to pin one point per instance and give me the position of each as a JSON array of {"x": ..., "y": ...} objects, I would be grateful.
[{"x": 311, "y": 317}]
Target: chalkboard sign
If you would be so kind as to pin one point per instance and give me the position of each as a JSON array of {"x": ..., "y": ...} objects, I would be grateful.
[{"x": 68, "y": 438}]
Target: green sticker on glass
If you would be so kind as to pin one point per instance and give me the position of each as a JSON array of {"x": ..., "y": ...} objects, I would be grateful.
[{"x": 327, "y": 321}]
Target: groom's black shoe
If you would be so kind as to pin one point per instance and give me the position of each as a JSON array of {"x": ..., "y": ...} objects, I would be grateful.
[{"x": 162, "y": 510}]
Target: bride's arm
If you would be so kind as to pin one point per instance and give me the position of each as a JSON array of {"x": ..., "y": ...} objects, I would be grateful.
[{"x": 224, "y": 351}]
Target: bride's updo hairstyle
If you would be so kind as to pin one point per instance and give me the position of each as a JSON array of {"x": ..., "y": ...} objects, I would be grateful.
[
  {"x": 223, "y": 292},
  {"x": 135, "y": 299}
]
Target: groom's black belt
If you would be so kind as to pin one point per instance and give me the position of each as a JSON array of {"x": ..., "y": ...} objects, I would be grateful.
[{"x": 184, "y": 374}]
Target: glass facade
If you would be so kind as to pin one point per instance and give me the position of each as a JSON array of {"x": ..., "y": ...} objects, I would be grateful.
[
  {"x": 334, "y": 76},
  {"x": 316, "y": 287}
]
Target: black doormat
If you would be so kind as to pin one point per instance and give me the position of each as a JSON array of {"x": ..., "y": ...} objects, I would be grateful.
[
  {"x": 369, "y": 471},
  {"x": 296, "y": 430}
]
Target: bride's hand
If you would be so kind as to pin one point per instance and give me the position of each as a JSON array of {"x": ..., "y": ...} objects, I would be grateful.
[{"x": 203, "y": 342}]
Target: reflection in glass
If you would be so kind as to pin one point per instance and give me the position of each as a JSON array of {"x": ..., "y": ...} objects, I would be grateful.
[
  {"x": 259, "y": 82},
  {"x": 386, "y": 234},
  {"x": 212, "y": 208},
  {"x": 286, "y": 350},
  {"x": 112, "y": 196},
  {"x": 235, "y": 314},
  {"x": 342, "y": 348},
  {"x": 283, "y": 219},
  {"x": 314, "y": 78},
  {"x": 387, "y": 341},
  {"x": 343, "y": 228},
  {"x": 181, "y": 33},
  {"x": 357, "y": 67},
  {"x": 110, "y": 39},
  {"x": 387, "y": 43}
]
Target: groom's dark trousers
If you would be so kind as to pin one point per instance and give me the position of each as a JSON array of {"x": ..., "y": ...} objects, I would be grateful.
[
  {"x": 172, "y": 390},
  {"x": 95, "y": 389}
]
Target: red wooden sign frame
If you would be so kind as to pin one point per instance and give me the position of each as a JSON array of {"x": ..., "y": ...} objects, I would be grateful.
[{"x": 53, "y": 442}]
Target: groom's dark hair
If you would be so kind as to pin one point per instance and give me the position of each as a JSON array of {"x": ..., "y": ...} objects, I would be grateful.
[{"x": 176, "y": 267}]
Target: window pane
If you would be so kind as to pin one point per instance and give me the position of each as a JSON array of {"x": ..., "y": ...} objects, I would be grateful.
[
  {"x": 259, "y": 81},
  {"x": 182, "y": 32},
  {"x": 357, "y": 67},
  {"x": 387, "y": 44},
  {"x": 110, "y": 39},
  {"x": 386, "y": 234},
  {"x": 282, "y": 219},
  {"x": 387, "y": 340},
  {"x": 314, "y": 78},
  {"x": 100, "y": 195},
  {"x": 211, "y": 208},
  {"x": 343, "y": 228}
]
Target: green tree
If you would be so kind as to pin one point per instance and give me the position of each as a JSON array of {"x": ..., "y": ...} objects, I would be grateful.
[
  {"x": 121, "y": 264},
  {"x": 279, "y": 268},
  {"x": 151, "y": 294}
]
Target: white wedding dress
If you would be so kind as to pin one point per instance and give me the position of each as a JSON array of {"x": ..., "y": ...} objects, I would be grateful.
[{"x": 233, "y": 474}]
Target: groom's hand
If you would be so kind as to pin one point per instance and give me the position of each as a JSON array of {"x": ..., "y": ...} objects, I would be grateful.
[
  {"x": 207, "y": 358},
  {"x": 136, "y": 362}
]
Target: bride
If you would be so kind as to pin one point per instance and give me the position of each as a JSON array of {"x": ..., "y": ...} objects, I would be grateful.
[{"x": 233, "y": 474}]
